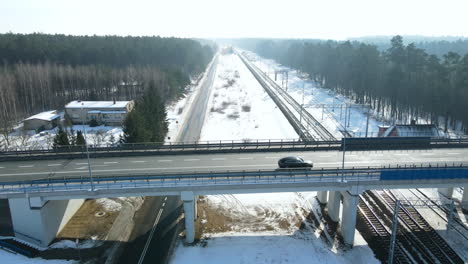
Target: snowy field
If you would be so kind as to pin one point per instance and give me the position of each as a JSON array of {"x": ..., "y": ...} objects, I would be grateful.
[
  {"x": 239, "y": 108},
  {"x": 256, "y": 228},
  {"x": 100, "y": 136}
]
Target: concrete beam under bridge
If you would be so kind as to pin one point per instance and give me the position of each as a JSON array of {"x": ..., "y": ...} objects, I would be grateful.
[
  {"x": 322, "y": 197},
  {"x": 348, "y": 221}
]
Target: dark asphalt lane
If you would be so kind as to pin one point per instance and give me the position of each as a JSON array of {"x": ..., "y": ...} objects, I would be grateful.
[
  {"x": 168, "y": 208},
  {"x": 26, "y": 170}
]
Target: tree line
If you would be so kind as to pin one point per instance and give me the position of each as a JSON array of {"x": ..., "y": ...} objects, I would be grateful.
[
  {"x": 41, "y": 72},
  {"x": 403, "y": 81}
]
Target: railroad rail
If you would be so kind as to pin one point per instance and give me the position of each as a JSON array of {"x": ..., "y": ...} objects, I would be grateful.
[
  {"x": 378, "y": 234},
  {"x": 433, "y": 247},
  {"x": 312, "y": 122}
]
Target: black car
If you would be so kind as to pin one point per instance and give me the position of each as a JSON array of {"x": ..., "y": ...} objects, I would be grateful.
[{"x": 294, "y": 162}]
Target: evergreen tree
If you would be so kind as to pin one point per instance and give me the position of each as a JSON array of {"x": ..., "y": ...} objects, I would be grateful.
[
  {"x": 147, "y": 121},
  {"x": 80, "y": 140},
  {"x": 61, "y": 138}
]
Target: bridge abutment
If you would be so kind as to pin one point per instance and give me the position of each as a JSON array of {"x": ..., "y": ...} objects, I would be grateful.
[
  {"x": 38, "y": 221},
  {"x": 348, "y": 219},
  {"x": 322, "y": 197},
  {"x": 189, "y": 210},
  {"x": 334, "y": 202}
]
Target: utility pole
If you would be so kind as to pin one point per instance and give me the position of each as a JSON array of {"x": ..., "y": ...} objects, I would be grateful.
[
  {"x": 367, "y": 123},
  {"x": 394, "y": 232},
  {"x": 87, "y": 151},
  {"x": 342, "y": 164}
]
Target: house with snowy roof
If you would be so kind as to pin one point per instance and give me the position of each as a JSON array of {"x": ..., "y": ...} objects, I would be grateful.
[
  {"x": 110, "y": 113},
  {"x": 42, "y": 121},
  {"x": 411, "y": 130}
]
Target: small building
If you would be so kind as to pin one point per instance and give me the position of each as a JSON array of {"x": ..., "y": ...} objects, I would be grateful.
[
  {"x": 412, "y": 130},
  {"x": 42, "y": 121},
  {"x": 111, "y": 113}
]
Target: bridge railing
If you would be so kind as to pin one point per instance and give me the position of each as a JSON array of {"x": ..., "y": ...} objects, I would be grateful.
[
  {"x": 230, "y": 178},
  {"x": 236, "y": 146}
]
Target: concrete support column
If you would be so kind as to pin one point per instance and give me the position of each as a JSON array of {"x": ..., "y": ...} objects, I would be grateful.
[
  {"x": 447, "y": 192},
  {"x": 348, "y": 221},
  {"x": 188, "y": 199},
  {"x": 195, "y": 209},
  {"x": 334, "y": 201},
  {"x": 38, "y": 221},
  {"x": 464, "y": 201},
  {"x": 322, "y": 197}
]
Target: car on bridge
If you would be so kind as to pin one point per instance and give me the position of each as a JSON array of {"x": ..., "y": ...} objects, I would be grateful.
[{"x": 294, "y": 162}]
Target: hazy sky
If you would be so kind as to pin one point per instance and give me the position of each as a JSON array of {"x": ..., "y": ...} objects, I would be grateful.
[{"x": 237, "y": 18}]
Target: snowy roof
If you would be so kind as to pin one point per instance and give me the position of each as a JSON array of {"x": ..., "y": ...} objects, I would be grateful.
[
  {"x": 97, "y": 104},
  {"x": 47, "y": 116},
  {"x": 413, "y": 131},
  {"x": 106, "y": 112}
]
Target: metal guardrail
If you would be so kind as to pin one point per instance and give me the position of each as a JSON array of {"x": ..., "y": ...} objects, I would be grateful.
[
  {"x": 230, "y": 147},
  {"x": 228, "y": 178}
]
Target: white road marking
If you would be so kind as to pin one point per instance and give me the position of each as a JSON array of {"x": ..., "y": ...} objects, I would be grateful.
[
  {"x": 110, "y": 162},
  {"x": 219, "y": 159},
  {"x": 2, "y": 167},
  {"x": 26, "y": 166},
  {"x": 150, "y": 237},
  {"x": 163, "y": 204},
  {"x": 191, "y": 159},
  {"x": 53, "y": 165},
  {"x": 165, "y": 199},
  {"x": 143, "y": 169},
  {"x": 453, "y": 153},
  {"x": 81, "y": 168},
  {"x": 428, "y": 154},
  {"x": 164, "y": 160},
  {"x": 83, "y": 163},
  {"x": 245, "y": 158},
  {"x": 138, "y": 161}
]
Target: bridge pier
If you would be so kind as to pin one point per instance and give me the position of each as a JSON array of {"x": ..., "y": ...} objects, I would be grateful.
[
  {"x": 334, "y": 201},
  {"x": 38, "y": 221},
  {"x": 322, "y": 197},
  {"x": 189, "y": 211},
  {"x": 447, "y": 192},
  {"x": 348, "y": 219}
]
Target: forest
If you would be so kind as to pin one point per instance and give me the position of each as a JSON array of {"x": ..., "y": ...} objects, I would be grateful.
[
  {"x": 403, "y": 80},
  {"x": 42, "y": 72}
]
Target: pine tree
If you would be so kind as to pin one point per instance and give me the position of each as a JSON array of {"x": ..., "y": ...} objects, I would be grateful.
[
  {"x": 61, "y": 138},
  {"x": 80, "y": 140}
]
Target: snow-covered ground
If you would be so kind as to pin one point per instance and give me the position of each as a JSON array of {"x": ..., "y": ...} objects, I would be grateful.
[
  {"x": 239, "y": 108},
  {"x": 257, "y": 228},
  {"x": 100, "y": 136}
]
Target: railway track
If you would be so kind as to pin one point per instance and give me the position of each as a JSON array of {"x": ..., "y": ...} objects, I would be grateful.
[
  {"x": 375, "y": 231},
  {"x": 431, "y": 246},
  {"x": 317, "y": 127},
  {"x": 460, "y": 228}
]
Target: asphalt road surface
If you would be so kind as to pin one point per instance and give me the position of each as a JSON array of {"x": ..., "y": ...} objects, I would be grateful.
[{"x": 151, "y": 165}]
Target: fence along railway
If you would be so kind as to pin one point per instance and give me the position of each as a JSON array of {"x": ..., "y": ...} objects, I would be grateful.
[
  {"x": 417, "y": 241},
  {"x": 320, "y": 131}
]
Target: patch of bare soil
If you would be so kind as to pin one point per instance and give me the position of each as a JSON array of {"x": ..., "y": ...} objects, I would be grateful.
[
  {"x": 217, "y": 219},
  {"x": 91, "y": 221}
]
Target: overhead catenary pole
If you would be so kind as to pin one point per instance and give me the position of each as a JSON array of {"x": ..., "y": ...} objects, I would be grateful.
[{"x": 394, "y": 232}]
